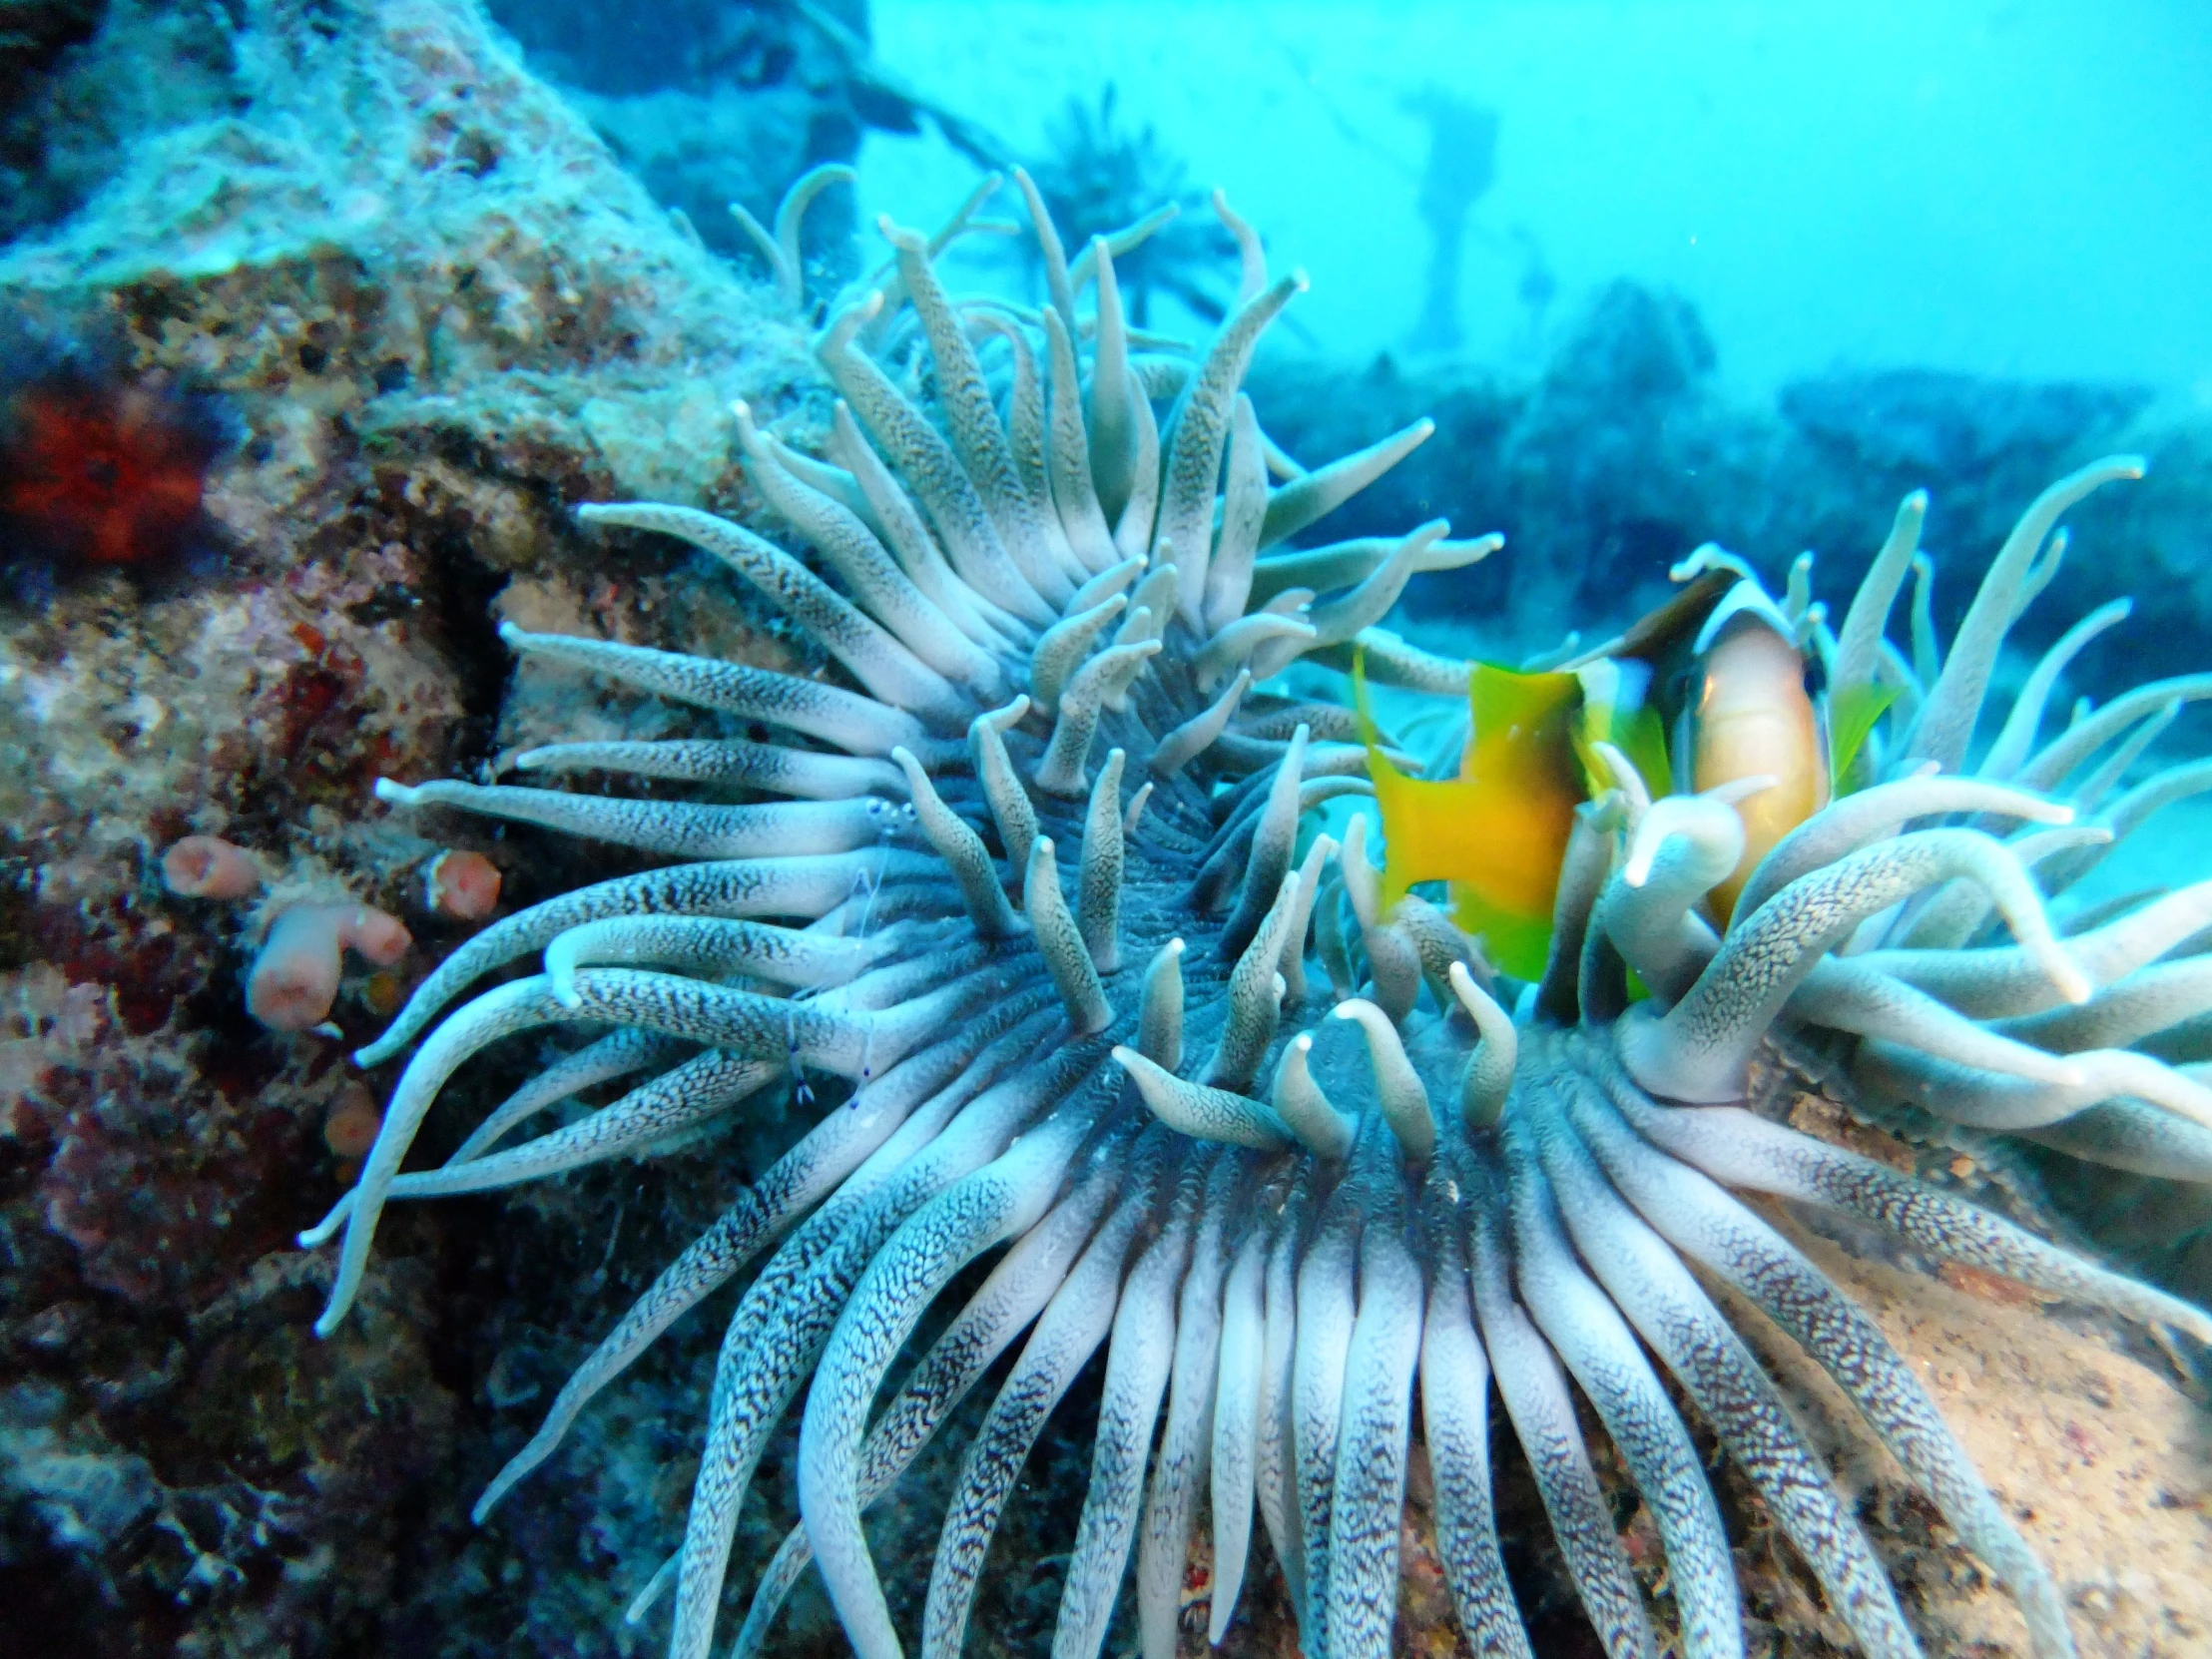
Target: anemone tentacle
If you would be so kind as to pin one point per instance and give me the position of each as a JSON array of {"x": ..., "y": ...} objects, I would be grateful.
[{"x": 1035, "y": 896}]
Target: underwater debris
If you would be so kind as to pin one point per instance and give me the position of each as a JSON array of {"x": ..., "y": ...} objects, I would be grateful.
[{"x": 1278, "y": 1226}]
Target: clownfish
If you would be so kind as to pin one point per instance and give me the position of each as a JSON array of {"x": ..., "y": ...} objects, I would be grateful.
[
  {"x": 1718, "y": 663},
  {"x": 1756, "y": 709}
]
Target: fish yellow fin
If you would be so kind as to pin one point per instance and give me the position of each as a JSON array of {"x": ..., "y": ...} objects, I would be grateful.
[{"x": 1497, "y": 834}]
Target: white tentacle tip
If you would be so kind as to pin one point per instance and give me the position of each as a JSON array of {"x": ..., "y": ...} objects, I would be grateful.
[
  {"x": 2066, "y": 974},
  {"x": 399, "y": 795}
]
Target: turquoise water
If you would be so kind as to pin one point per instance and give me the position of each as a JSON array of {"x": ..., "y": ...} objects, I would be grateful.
[
  {"x": 1998, "y": 187},
  {"x": 335, "y": 333}
]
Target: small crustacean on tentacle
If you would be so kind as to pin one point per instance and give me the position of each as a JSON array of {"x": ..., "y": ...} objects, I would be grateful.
[{"x": 1039, "y": 887}]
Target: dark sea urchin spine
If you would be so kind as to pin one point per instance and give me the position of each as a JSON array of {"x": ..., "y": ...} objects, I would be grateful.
[{"x": 1046, "y": 897}]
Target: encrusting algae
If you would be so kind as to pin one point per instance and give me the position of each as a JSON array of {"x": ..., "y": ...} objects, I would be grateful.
[{"x": 1044, "y": 889}]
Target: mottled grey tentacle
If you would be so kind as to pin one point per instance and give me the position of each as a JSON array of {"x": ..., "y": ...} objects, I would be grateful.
[
  {"x": 1947, "y": 719},
  {"x": 1701, "y": 1220},
  {"x": 1369, "y": 1483},
  {"x": 1583, "y": 880},
  {"x": 1244, "y": 505},
  {"x": 781, "y": 829},
  {"x": 1064, "y": 646},
  {"x": 1682, "y": 849},
  {"x": 1253, "y": 995},
  {"x": 849, "y": 547},
  {"x": 1741, "y": 1149},
  {"x": 1247, "y": 639},
  {"x": 2020, "y": 726},
  {"x": 906, "y": 437},
  {"x": 1110, "y": 396},
  {"x": 1274, "y": 839},
  {"x": 1346, "y": 564},
  {"x": 2003, "y": 981},
  {"x": 1201, "y": 1110},
  {"x": 1060, "y": 941},
  {"x": 2147, "y": 1001},
  {"x": 802, "y": 886},
  {"x": 716, "y": 945},
  {"x": 1138, "y": 1363},
  {"x": 1098, "y": 883},
  {"x": 1293, "y": 964},
  {"x": 1160, "y": 1008},
  {"x": 856, "y": 724},
  {"x": 1649, "y": 1284},
  {"x": 1589, "y": 1332},
  {"x": 964, "y": 851},
  {"x": 1327, "y": 1310},
  {"x": 1195, "y": 736},
  {"x": 986, "y": 460},
  {"x": 1847, "y": 995},
  {"x": 1179, "y": 1468},
  {"x": 1011, "y": 808},
  {"x": 1113, "y": 579},
  {"x": 679, "y": 1099},
  {"x": 1002, "y": 1199},
  {"x": 788, "y": 1315},
  {"x": 1534, "y": 1390},
  {"x": 1069, "y": 1330},
  {"x": 1135, "y": 525},
  {"x": 2127, "y": 1134},
  {"x": 834, "y": 1149},
  {"x": 2057, "y": 759},
  {"x": 983, "y": 621},
  {"x": 1988, "y": 1100},
  {"x": 1699, "y": 1049},
  {"x": 1399, "y": 1094},
  {"x": 1858, "y": 641},
  {"x": 880, "y": 662},
  {"x": 1074, "y": 492},
  {"x": 1200, "y": 432},
  {"x": 1064, "y": 770},
  {"x": 1305, "y": 1110},
  {"x": 617, "y": 1054},
  {"x": 848, "y": 1043},
  {"x": 771, "y": 768},
  {"x": 1339, "y": 621},
  {"x": 1879, "y": 812},
  {"x": 1456, "y": 1427},
  {"x": 1235, "y": 1445},
  {"x": 1274, "y": 1471},
  {"x": 1313, "y": 496}
]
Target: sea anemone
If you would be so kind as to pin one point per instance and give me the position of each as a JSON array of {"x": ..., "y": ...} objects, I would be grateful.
[{"x": 1048, "y": 892}]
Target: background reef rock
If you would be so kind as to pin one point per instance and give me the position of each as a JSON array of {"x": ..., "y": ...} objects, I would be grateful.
[
  {"x": 1622, "y": 454},
  {"x": 440, "y": 312}
]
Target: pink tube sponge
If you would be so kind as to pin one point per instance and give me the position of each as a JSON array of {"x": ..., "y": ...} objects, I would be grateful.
[
  {"x": 295, "y": 981},
  {"x": 464, "y": 885},
  {"x": 208, "y": 866}
]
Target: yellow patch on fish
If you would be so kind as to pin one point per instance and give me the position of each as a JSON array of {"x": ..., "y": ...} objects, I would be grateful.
[{"x": 1499, "y": 832}]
